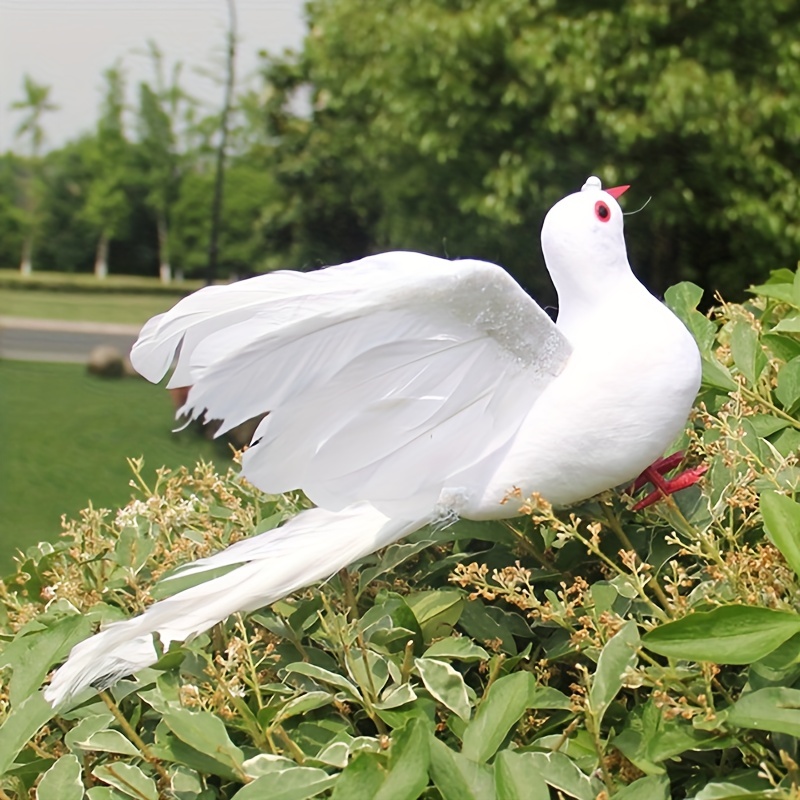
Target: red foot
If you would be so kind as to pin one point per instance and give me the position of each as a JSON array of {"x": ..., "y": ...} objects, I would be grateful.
[
  {"x": 663, "y": 488},
  {"x": 661, "y": 466}
]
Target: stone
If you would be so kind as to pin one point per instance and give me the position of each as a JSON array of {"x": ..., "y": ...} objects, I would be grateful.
[{"x": 106, "y": 361}]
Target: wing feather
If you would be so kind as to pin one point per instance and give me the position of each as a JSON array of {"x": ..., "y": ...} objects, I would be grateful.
[{"x": 385, "y": 379}]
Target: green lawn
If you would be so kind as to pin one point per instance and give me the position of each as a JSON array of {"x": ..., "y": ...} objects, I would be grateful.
[
  {"x": 127, "y": 299},
  {"x": 65, "y": 438},
  {"x": 12, "y": 278},
  {"x": 134, "y": 309}
]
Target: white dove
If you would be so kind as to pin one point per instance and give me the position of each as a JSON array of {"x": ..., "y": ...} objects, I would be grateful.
[{"x": 402, "y": 390}]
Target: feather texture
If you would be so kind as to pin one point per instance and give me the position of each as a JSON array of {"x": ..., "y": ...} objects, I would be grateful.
[{"x": 372, "y": 372}]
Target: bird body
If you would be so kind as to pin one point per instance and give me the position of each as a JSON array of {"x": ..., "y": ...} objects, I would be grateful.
[
  {"x": 621, "y": 399},
  {"x": 404, "y": 389}
]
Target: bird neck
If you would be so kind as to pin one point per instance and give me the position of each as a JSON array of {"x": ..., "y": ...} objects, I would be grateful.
[{"x": 588, "y": 309}]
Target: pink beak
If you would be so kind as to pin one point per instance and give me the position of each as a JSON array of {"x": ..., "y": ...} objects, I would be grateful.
[{"x": 617, "y": 191}]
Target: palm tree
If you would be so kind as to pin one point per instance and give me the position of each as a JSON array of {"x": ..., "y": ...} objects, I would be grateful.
[{"x": 35, "y": 104}]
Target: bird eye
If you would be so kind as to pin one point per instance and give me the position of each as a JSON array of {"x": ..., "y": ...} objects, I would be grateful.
[{"x": 602, "y": 211}]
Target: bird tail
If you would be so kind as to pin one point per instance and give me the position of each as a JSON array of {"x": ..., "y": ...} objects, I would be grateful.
[{"x": 310, "y": 547}]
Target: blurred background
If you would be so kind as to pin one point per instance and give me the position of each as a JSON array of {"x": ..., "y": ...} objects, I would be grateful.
[{"x": 150, "y": 146}]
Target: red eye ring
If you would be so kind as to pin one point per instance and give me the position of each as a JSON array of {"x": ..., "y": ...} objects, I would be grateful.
[{"x": 602, "y": 211}]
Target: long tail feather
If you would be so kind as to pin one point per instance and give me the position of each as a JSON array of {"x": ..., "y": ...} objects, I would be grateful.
[{"x": 310, "y": 547}]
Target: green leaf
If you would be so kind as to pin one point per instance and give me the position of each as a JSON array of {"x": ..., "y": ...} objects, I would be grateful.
[
  {"x": 132, "y": 550},
  {"x": 548, "y": 697},
  {"x": 716, "y": 375},
  {"x": 31, "y": 656},
  {"x": 746, "y": 350},
  {"x": 651, "y": 787},
  {"x": 128, "y": 779},
  {"x": 301, "y": 705},
  {"x": 782, "y": 346},
  {"x": 423, "y": 709},
  {"x": 205, "y": 733},
  {"x": 725, "y": 635},
  {"x": 580, "y": 747},
  {"x": 397, "y": 695},
  {"x": 63, "y": 781},
  {"x": 500, "y": 710},
  {"x": 186, "y": 784},
  {"x": 788, "y": 388},
  {"x": 725, "y": 790},
  {"x": 518, "y": 778},
  {"x": 479, "y": 622},
  {"x": 391, "y": 558},
  {"x": 765, "y": 425},
  {"x": 782, "y": 522},
  {"x": 461, "y": 648},
  {"x": 86, "y": 727},
  {"x": 289, "y": 784},
  {"x": 783, "y": 292},
  {"x": 618, "y": 655},
  {"x": 390, "y": 624},
  {"x": 324, "y": 676},
  {"x": 458, "y": 777},
  {"x": 369, "y": 669},
  {"x": 788, "y": 324},
  {"x": 796, "y": 287},
  {"x": 107, "y": 793},
  {"x": 775, "y": 709},
  {"x": 649, "y": 738},
  {"x": 437, "y": 611},
  {"x": 562, "y": 774},
  {"x": 409, "y": 757},
  {"x": 445, "y": 684},
  {"x": 107, "y": 741},
  {"x": 682, "y": 299},
  {"x": 20, "y": 726},
  {"x": 361, "y": 778},
  {"x": 266, "y": 764}
]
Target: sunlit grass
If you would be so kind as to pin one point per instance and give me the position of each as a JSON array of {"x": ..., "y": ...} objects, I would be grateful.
[
  {"x": 65, "y": 440},
  {"x": 125, "y": 299},
  {"x": 131, "y": 309}
]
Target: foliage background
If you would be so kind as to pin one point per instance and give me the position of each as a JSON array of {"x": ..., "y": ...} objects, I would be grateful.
[{"x": 449, "y": 127}]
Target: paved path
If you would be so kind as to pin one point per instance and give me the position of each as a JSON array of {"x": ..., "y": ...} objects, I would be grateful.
[{"x": 23, "y": 339}]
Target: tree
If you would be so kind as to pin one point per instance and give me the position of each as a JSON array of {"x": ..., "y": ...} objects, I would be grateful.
[
  {"x": 224, "y": 120},
  {"x": 456, "y": 124},
  {"x": 34, "y": 104},
  {"x": 106, "y": 204},
  {"x": 67, "y": 241},
  {"x": 245, "y": 241},
  {"x": 11, "y": 227},
  {"x": 160, "y": 107}
]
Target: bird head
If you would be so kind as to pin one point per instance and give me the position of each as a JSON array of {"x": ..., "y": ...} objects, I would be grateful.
[{"x": 583, "y": 241}]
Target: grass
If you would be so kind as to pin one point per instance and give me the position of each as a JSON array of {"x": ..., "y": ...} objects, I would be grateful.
[
  {"x": 66, "y": 437},
  {"x": 134, "y": 309},
  {"x": 76, "y": 281},
  {"x": 127, "y": 299}
]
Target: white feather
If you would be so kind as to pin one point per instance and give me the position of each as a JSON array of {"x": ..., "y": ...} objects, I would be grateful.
[{"x": 310, "y": 547}]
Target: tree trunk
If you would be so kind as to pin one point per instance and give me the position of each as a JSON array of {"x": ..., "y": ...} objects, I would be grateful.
[
  {"x": 101, "y": 257},
  {"x": 164, "y": 268},
  {"x": 26, "y": 262}
]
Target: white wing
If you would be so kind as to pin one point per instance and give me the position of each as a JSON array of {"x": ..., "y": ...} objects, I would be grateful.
[{"x": 387, "y": 379}]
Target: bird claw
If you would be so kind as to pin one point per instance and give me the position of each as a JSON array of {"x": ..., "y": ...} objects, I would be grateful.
[
  {"x": 662, "y": 466},
  {"x": 664, "y": 488}
]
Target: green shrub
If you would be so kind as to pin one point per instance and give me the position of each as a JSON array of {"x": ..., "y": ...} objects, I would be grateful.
[{"x": 592, "y": 653}]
